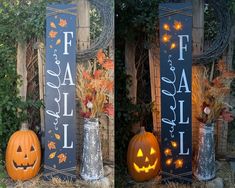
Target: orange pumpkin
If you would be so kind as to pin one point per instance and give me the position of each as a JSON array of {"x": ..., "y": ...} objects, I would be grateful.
[
  {"x": 143, "y": 156},
  {"x": 23, "y": 154}
]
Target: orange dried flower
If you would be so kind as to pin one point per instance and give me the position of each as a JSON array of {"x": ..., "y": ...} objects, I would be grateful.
[
  {"x": 109, "y": 65},
  {"x": 95, "y": 86},
  {"x": 221, "y": 66},
  {"x": 86, "y": 114},
  {"x": 86, "y": 75},
  {"x": 97, "y": 74},
  {"x": 109, "y": 109},
  {"x": 109, "y": 86},
  {"x": 229, "y": 74},
  {"x": 100, "y": 56}
]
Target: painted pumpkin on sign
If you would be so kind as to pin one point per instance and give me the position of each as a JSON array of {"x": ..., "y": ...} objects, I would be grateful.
[
  {"x": 143, "y": 156},
  {"x": 23, "y": 154}
]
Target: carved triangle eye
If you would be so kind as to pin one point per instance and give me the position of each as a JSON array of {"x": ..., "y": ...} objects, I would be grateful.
[
  {"x": 140, "y": 153},
  {"x": 152, "y": 151},
  {"x": 19, "y": 149},
  {"x": 32, "y": 148}
]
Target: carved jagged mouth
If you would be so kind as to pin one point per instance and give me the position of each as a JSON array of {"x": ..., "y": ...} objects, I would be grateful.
[
  {"x": 24, "y": 166},
  {"x": 145, "y": 169}
]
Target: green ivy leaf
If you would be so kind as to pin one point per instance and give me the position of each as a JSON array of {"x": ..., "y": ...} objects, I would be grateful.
[{"x": 3, "y": 185}]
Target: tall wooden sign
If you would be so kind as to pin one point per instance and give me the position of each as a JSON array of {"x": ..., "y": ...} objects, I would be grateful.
[
  {"x": 175, "y": 72},
  {"x": 60, "y": 124}
]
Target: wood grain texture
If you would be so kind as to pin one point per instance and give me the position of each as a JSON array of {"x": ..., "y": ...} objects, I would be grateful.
[{"x": 21, "y": 68}]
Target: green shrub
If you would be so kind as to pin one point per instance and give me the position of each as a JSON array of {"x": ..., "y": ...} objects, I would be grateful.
[
  {"x": 12, "y": 109},
  {"x": 2, "y": 172}
]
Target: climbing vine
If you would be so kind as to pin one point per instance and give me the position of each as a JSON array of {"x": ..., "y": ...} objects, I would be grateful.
[{"x": 20, "y": 21}]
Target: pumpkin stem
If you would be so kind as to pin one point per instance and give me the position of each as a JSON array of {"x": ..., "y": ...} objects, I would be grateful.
[
  {"x": 24, "y": 126},
  {"x": 142, "y": 129}
]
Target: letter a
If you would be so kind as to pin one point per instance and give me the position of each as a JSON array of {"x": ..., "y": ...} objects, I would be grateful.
[
  {"x": 68, "y": 73},
  {"x": 183, "y": 78}
]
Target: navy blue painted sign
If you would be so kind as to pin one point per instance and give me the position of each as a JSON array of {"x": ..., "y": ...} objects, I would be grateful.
[
  {"x": 175, "y": 68},
  {"x": 60, "y": 125}
]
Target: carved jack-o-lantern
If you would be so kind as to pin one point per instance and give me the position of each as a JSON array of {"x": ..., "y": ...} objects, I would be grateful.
[
  {"x": 23, "y": 155},
  {"x": 143, "y": 156}
]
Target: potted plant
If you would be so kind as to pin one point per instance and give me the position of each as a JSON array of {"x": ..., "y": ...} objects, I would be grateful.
[
  {"x": 95, "y": 91},
  {"x": 213, "y": 108}
]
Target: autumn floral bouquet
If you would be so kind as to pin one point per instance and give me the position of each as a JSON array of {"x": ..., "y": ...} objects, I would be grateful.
[
  {"x": 95, "y": 86},
  {"x": 215, "y": 92}
]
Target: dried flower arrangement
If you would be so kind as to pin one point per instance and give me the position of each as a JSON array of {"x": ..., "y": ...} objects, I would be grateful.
[
  {"x": 94, "y": 86},
  {"x": 215, "y": 91}
]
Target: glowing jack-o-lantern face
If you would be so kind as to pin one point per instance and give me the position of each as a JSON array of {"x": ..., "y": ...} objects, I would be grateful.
[
  {"x": 143, "y": 156},
  {"x": 145, "y": 169},
  {"x": 23, "y": 155}
]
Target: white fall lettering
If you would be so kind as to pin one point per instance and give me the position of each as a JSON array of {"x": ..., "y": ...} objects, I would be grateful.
[
  {"x": 171, "y": 94},
  {"x": 181, "y": 47},
  {"x": 56, "y": 75},
  {"x": 68, "y": 76},
  {"x": 182, "y": 113},
  {"x": 173, "y": 83},
  {"x": 66, "y": 106},
  {"x": 66, "y": 42},
  {"x": 183, "y": 79},
  {"x": 182, "y": 145},
  {"x": 66, "y": 137}
]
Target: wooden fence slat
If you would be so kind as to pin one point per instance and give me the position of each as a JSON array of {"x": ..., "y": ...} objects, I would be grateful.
[
  {"x": 154, "y": 66},
  {"x": 41, "y": 63},
  {"x": 21, "y": 68},
  {"x": 83, "y": 42},
  {"x": 198, "y": 45}
]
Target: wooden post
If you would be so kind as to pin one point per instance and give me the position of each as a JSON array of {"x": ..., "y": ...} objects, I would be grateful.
[
  {"x": 198, "y": 44},
  {"x": 83, "y": 43},
  {"x": 222, "y": 135},
  {"x": 198, "y": 26},
  {"x": 230, "y": 60},
  {"x": 83, "y": 24},
  {"x": 111, "y": 135},
  {"x": 131, "y": 70},
  {"x": 21, "y": 68},
  {"x": 41, "y": 62},
  {"x": 154, "y": 66},
  {"x": 228, "y": 57}
]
